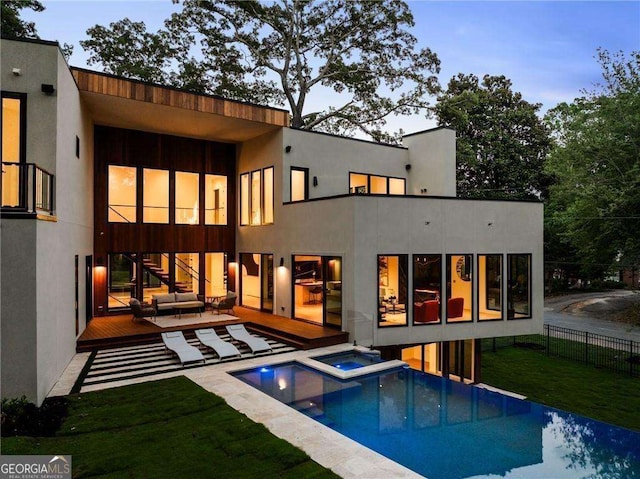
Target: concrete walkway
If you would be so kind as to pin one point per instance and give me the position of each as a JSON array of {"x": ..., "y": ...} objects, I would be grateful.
[{"x": 587, "y": 312}]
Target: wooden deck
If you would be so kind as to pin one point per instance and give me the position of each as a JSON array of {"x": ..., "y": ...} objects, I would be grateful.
[{"x": 117, "y": 331}]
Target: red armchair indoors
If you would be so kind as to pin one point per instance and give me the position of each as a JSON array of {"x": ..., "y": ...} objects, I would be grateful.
[
  {"x": 426, "y": 312},
  {"x": 455, "y": 307}
]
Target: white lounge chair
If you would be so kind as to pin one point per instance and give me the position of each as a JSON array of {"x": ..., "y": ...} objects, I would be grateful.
[
  {"x": 223, "y": 349},
  {"x": 239, "y": 333},
  {"x": 176, "y": 342}
]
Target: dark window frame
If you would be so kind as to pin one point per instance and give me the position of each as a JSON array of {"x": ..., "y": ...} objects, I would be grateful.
[
  {"x": 502, "y": 291},
  {"x": 529, "y": 257},
  {"x": 306, "y": 183},
  {"x": 407, "y": 293},
  {"x": 448, "y": 279},
  {"x": 368, "y": 185},
  {"x": 413, "y": 289}
]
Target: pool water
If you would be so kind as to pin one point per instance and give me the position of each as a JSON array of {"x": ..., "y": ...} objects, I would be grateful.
[
  {"x": 442, "y": 429},
  {"x": 346, "y": 361}
]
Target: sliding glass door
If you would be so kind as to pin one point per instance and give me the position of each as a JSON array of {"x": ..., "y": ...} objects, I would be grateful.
[{"x": 317, "y": 289}]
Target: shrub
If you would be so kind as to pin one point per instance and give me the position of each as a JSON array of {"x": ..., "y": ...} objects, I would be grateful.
[{"x": 19, "y": 417}]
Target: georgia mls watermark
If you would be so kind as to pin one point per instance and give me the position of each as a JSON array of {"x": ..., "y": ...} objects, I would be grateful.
[{"x": 35, "y": 467}]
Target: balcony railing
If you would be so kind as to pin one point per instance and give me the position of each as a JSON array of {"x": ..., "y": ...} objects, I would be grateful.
[{"x": 26, "y": 188}]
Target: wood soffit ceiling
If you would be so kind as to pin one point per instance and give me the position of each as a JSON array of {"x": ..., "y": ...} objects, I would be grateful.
[{"x": 136, "y": 105}]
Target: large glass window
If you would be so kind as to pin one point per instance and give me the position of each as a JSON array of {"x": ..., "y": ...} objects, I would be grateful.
[
  {"x": 155, "y": 202},
  {"x": 256, "y": 190},
  {"x": 267, "y": 200},
  {"x": 215, "y": 265},
  {"x": 155, "y": 275},
  {"x": 215, "y": 199},
  {"x": 187, "y": 272},
  {"x": 459, "y": 289},
  {"x": 519, "y": 286},
  {"x": 121, "y": 280},
  {"x": 250, "y": 280},
  {"x": 489, "y": 287},
  {"x": 256, "y": 197},
  {"x": 12, "y": 145},
  {"x": 244, "y": 199},
  {"x": 427, "y": 285},
  {"x": 122, "y": 194},
  {"x": 299, "y": 184},
  {"x": 187, "y": 198},
  {"x": 392, "y": 290}
]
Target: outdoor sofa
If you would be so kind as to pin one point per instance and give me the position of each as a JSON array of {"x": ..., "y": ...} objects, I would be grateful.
[{"x": 178, "y": 303}]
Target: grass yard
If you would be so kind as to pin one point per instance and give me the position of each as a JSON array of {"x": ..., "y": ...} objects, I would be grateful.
[
  {"x": 169, "y": 428},
  {"x": 569, "y": 385}
]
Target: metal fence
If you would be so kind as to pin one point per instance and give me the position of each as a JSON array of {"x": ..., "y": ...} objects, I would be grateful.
[{"x": 621, "y": 355}]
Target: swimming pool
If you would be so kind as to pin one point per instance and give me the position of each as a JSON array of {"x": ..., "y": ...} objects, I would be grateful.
[
  {"x": 349, "y": 360},
  {"x": 448, "y": 430}
]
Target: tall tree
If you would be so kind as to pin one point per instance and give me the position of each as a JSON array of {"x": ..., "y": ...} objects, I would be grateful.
[
  {"x": 502, "y": 143},
  {"x": 357, "y": 53},
  {"x": 595, "y": 201},
  {"x": 12, "y": 26}
]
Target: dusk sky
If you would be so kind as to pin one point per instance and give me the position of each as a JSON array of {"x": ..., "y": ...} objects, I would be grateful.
[{"x": 546, "y": 48}]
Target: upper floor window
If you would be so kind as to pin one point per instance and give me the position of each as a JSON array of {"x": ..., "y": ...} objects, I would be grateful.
[
  {"x": 122, "y": 194},
  {"x": 299, "y": 183},
  {"x": 187, "y": 198},
  {"x": 519, "y": 286},
  {"x": 392, "y": 290},
  {"x": 267, "y": 195},
  {"x": 364, "y": 184},
  {"x": 215, "y": 199},
  {"x": 155, "y": 196},
  {"x": 459, "y": 291},
  {"x": 256, "y": 197},
  {"x": 13, "y": 141},
  {"x": 489, "y": 287}
]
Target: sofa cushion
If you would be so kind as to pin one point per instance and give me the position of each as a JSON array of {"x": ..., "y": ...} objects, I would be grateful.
[
  {"x": 165, "y": 298},
  {"x": 166, "y": 306},
  {"x": 188, "y": 304},
  {"x": 186, "y": 297}
]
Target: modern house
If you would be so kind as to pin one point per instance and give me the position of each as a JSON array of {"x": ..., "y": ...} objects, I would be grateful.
[{"x": 113, "y": 188}]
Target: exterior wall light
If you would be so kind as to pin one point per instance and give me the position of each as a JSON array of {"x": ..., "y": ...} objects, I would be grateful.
[
  {"x": 287, "y": 148},
  {"x": 281, "y": 261},
  {"x": 47, "y": 89},
  {"x": 315, "y": 181}
]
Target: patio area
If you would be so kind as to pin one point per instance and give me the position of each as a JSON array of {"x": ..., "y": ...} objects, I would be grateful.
[{"x": 117, "y": 331}]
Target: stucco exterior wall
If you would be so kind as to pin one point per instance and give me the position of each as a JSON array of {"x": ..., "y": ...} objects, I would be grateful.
[
  {"x": 432, "y": 155},
  {"x": 18, "y": 370},
  {"x": 358, "y": 228},
  {"x": 331, "y": 158},
  {"x": 71, "y": 235},
  {"x": 38, "y": 304}
]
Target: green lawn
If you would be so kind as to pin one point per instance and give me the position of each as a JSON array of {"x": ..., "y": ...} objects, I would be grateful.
[
  {"x": 169, "y": 428},
  {"x": 570, "y": 385}
]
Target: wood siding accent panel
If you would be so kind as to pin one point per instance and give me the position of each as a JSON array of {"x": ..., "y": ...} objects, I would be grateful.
[
  {"x": 115, "y": 146},
  {"x": 94, "y": 82}
]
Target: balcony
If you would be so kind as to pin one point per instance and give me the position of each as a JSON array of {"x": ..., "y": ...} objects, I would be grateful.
[{"x": 26, "y": 189}]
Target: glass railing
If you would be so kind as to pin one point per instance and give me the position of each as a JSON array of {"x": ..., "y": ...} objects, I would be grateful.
[{"x": 27, "y": 188}]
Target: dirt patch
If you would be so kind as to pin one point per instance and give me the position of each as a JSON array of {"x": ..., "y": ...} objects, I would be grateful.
[{"x": 621, "y": 309}]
